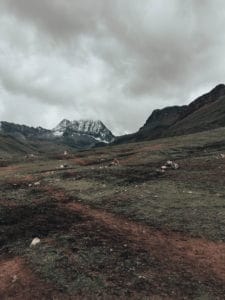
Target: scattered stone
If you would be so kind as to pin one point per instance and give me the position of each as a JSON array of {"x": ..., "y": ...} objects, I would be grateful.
[
  {"x": 160, "y": 171},
  {"x": 63, "y": 166},
  {"x": 14, "y": 278},
  {"x": 163, "y": 167},
  {"x": 169, "y": 164},
  {"x": 37, "y": 183},
  {"x": 30, "y": 156},
  {"x": 175, "y": 166},
  {"x": 35, "y": 241},
  {"x": 115, "y": 162},
  {"x": 141, "y": 277}
]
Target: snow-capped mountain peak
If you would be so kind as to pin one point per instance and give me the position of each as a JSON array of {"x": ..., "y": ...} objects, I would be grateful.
[
  {"x": 95, "y": 129},
  {"x": 61, "y": 127}
]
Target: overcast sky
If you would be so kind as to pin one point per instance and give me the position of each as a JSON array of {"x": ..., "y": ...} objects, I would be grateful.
[{"x": 114, "y": 60}]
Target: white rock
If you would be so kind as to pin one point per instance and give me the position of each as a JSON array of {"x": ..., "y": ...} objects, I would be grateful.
[
  {"x": 169, "y": 163},
  {"x": 141, "y": 277},
  {"x": 35, "y": 241},
  {"x": 175, "y": 166},
  {"x": 37, "y": 183},
  {"x": 163, "y": 167},
  {"x": 14, "y": 278}
]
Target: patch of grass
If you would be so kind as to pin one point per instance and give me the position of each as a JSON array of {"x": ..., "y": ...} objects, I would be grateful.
[
  {"x": 164, "y": 203},
  {"x": 55, "y": 266},
  {"x": 80, "y": 255}
]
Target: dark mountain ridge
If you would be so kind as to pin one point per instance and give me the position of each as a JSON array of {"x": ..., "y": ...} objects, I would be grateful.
[
  {"x": 83, "y": 134},
  {"x": 204, "y": 113},
  {"x": 23, "y": 131}
]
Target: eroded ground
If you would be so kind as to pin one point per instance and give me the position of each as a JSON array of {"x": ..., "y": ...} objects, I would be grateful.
[{"x": 120, "y": 231}]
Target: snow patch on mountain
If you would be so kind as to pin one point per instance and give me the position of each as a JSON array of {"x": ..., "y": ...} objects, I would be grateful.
[{"x": 95, "y": 129}]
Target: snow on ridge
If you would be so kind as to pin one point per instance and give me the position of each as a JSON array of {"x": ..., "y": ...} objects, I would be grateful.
[
  {"x": 96, "y": 129},
  {"x": 57, "y": 133}
]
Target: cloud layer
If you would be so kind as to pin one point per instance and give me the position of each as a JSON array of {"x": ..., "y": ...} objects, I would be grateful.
[{"x": 113, "y": 60}]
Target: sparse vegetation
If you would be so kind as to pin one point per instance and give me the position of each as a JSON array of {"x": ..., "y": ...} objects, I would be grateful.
[{"x": 117, "y": 231}]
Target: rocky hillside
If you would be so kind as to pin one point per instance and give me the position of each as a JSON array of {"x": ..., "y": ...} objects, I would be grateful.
[{"x": 204, "y": 113}]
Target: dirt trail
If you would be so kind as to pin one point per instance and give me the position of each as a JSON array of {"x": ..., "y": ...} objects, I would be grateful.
[
  {"x": 17, "y": 282},
  {"x": 204, "y": 259}
]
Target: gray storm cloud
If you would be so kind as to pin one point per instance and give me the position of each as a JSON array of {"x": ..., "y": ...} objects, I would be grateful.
[{"x": 113, "y": 60}]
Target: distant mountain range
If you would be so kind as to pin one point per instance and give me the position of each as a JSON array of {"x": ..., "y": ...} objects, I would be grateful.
[
  {"x": 83, "y": 134},
  {"x": 205, "y": 113}
]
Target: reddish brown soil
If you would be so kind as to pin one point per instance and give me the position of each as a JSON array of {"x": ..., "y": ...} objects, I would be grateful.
[
  {"x": 154, "y": 147},
  {"x": 23, "y": 181},
  {"x": 17, "y": 282},
  {"x": 204, "y": 259},
  {"x": 10, "y": 169}
]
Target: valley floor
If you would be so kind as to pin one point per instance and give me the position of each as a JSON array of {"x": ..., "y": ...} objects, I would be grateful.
[{"x": 121, "y": 230}]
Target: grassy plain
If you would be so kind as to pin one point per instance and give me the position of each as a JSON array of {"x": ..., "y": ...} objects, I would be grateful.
[{"x": 116, "y": 231}]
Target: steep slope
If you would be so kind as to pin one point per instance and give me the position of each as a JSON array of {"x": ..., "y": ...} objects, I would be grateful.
[
  {"x": 209, "y": 115},
  {"x": 10, "y": 146},
  {"x": 205, "y": 113}
]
